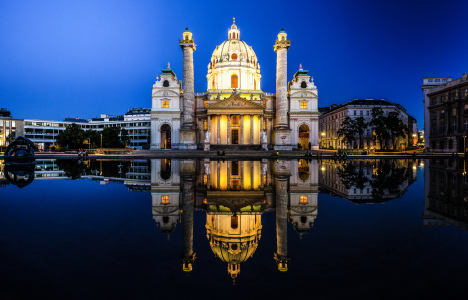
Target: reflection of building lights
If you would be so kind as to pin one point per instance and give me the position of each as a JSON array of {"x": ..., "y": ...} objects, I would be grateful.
[
  {"x": 422, "y": 164},
  {"x": 323, "y": 133},
  {"x": 323, "y": 168},
  {"x": 414, "y": 167}
]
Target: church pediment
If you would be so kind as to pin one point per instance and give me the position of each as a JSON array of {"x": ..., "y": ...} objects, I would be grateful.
[
  {"x": 302, "y": 94},
  {"x": 233, "y": 102},
  {"x": 164, "y": 93}
]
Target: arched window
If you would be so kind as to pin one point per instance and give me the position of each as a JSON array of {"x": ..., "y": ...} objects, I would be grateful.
[
  {"x": 234, "y": 56},
  {"x": 303, "y": 85},
  {"x": 234, "y": 81},
  {"x": 234, "y": 222},
  {"x": 166, "y": 83}
]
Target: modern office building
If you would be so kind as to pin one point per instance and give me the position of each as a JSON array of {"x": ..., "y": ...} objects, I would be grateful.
[
  {"x": 332, "y": 118},
  {"x": 446, "y": 113},
  {"x": 136, "y": 121}
]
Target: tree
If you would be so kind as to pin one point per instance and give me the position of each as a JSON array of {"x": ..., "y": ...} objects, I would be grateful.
[
  {"x": 72, "y": 137},
  {"x": 94, "y": 137},
  {"x": 378, "y": 125},
  {"x": 347, "y": 130},
  {"x": 110, "y": 138},
  {"x": 124, "y": 138},
  {"x": 395, "y": 127},
  {"x": 360, "y": 125},
  {"x": 11, "y": 137}
]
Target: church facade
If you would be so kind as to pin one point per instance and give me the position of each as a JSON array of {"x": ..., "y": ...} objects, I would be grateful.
[{"x": 234, "y": 113}]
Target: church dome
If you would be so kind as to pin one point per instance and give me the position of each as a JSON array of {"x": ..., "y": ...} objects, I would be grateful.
[
  {"x": 234, "y": 65},
  {"x": 225, "y": 51}
]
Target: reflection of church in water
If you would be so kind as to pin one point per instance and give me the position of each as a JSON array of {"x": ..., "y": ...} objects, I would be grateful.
[{"x": 234, "y": 195}]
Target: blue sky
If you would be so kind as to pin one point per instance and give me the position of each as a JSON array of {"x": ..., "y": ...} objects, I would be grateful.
[{"x": 82, "y": 58}]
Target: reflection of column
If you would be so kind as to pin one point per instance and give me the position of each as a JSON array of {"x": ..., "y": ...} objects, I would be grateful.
[
  {"x": 218, "y": 117},
  {"x": 228, "y": 175},
  {"x": 188, "y": 195},
  {"x": 218, "y": 186},
  {"x": 251, "y": 129},
  {"x": 281, "y": 256},
  {"x": 252, "y": 175},
  {"x": 242, "y": 130},
  {"x": 228, "y": 129},
  {"x": 261, "y": 125},
  {"x": 242, "y": 175}
]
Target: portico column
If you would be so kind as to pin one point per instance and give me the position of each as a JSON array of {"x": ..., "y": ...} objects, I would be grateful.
[
  {"x": 218, "y": 131},
  {"x": 209, "y": 122},
  {"x": 251, "y": 129},
  {"x": 261, "y": 124},
  {"x": 242, "y": 129},
  {"x": 228, "y": 129}
]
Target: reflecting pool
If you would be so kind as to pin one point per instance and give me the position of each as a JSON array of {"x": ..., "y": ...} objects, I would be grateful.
[{"x": 327, "y": 229}]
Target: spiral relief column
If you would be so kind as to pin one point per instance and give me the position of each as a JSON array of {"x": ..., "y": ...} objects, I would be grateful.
[
  {"x": 187, "y": 184},
  {"x": 282, "y": 132},
  {"x": 188, "y": 137}
]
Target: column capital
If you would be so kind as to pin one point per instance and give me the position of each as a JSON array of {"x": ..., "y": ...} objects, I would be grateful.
[{"x": 281, "y": 45}]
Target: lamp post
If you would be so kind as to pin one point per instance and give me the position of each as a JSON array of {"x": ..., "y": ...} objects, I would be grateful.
[
  {"x": 464, "y": 144},
  {"x": 89, "y": 143},
  {"x": 101, "y": 141}
]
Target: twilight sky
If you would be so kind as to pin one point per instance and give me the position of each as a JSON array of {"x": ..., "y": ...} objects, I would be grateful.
[{"x": 82, "y": 58}]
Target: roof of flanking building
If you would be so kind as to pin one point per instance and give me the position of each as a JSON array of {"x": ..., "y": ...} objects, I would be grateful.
[
  {"x": 77, "y": 120},
  {"x": 359, "y": 102},
  {"x": 138, "y": 111}
]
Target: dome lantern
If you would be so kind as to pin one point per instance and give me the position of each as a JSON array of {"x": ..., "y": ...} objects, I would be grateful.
[{"x": 233, "y": 33}]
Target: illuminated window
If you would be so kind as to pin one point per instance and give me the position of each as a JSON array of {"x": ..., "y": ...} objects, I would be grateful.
[
  {"x": 303, "y": 105},
  {"x": 165, "y": 104},
  {"x": 205, "y": 179},
  {"x": 303, "y": 199},
  {"x": 234, "y": 81},
  {"x": 234, "y": 222},
  {"x": 264, "y": 103},
  {"x": 164, "y": 199},
  {"x": 205, "y": 124},
  {"x": 264, "y": 179},
  {"x": 205, "y": 103},
  {"x": 234, "y": 56}
]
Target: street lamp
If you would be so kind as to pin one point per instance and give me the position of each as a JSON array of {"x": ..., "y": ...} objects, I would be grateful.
[
  {"x": 101, "y": 141},
  {"x": 464, "y": 144}
]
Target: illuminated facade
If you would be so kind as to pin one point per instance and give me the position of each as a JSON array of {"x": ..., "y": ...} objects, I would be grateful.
[{"x": 234, "y": 113}]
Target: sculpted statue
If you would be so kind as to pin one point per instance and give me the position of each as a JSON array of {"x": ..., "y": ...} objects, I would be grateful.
[
  {"x": 264, "y": 168},
  {"x": 264, "y": 137},
  {"x": 207, "y": 136},
  {"x": 207, "y": 168}
]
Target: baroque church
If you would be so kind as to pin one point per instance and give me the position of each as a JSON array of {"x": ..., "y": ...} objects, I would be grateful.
[{"x": 234, "y": 113}]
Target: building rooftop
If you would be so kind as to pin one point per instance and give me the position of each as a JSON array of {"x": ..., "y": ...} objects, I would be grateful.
[
  {"x": 4, "y": 113},
  {"x": 138, "y": 111},
  {"x": 78, "y": 120}
]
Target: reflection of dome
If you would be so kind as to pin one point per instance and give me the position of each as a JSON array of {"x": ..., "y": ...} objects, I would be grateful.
[{"x": 233, "y": 238}]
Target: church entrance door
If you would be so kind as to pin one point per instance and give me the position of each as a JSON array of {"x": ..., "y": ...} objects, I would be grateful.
[
  {"x": 235, "y": 136},
  {"x": 166, "y": 137}
]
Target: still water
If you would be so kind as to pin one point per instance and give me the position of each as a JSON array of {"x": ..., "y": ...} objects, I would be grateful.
[{"x": 140, "y": 229}]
